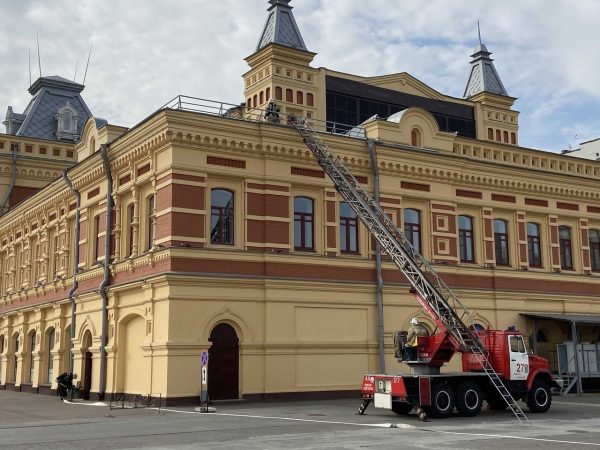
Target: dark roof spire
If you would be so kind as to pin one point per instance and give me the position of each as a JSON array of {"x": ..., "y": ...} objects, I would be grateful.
[
  {"x": 483, "y": 77},
  {"x": 281, "y": 27}
]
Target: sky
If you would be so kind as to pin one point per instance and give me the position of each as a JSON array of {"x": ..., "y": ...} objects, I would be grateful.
[{"x": 145, "y": 52}]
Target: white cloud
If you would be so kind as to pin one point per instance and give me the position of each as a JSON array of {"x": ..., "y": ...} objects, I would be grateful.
[{"x": 147, "y": 52}]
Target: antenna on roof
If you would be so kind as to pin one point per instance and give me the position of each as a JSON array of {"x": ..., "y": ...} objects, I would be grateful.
[
  {"x": 29, "y": 56},
  {"x": 39, "y": 57},
  {"x": 76, "y": 66},
  {"x": 88, "y": 63},
  {"x": 479, "y": 32}
]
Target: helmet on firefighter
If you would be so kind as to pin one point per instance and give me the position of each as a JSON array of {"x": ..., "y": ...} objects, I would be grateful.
[{"x": 414, "y": 321}]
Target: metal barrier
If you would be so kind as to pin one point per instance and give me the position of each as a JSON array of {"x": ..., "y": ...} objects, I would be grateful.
[
  {"x": 267, "y": 115},
  {"x": 131, "y": 401}
]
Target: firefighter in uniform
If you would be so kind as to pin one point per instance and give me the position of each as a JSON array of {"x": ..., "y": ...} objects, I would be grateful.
[
  {"x": 415, "y": 331},
  {"x": 272, "y": 112}
]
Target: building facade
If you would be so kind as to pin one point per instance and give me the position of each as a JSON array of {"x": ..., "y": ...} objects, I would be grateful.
[{"x": 197, "y": 230}]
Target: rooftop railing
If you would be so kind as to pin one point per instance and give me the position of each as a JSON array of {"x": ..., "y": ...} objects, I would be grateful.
[{"x": 268, "y": 114}]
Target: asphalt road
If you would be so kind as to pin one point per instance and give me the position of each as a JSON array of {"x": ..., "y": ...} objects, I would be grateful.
[{"x": 41, "y": 422}]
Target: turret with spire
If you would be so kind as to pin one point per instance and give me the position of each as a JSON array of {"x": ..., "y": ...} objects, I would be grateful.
[
  {"x": 496, "y": 121},
  {"x": 280, "y": 67}
]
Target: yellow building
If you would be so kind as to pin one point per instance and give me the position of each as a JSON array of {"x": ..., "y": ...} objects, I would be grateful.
[{"x": 226, "y": 234}]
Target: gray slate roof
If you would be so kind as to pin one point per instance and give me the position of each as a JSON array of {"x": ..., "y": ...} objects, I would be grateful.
[
  {"x": 49, "y": 95},
  {"x": 483, "y": 74},
  {"x": 281, "y": 27}
]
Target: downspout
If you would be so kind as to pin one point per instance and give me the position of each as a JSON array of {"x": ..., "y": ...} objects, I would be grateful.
[
  {"x": 106, "y": 278},
  {"x": 75, "y": 265},
  {"x": 13, "y": 177},
  {"x": 380, "y": 329}
]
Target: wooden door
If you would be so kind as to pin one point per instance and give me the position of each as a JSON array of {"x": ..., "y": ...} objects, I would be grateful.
[{"x": 223, "y": 363}]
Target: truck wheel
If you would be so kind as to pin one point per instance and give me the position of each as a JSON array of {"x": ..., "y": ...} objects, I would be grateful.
[
  {"x": 539, "y": 398},
  {"x": 468, "y": 399},
  {"x": 401, "y": 408},
  {"x": 442, "y": 401}
]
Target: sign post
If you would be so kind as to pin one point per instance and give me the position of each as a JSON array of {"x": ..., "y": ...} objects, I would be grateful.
[{"x": 204, "y": 383}]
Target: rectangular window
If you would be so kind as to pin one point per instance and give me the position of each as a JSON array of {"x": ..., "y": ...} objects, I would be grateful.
[
  {"x": 56, "y": 259},
  {"x": 348, "y": 229},
  {"x": 534, "y": 249},
  {"x": 465, "y": 239},
  {"x": 412, "y": 227},
  {"x": 501, "y": 242},
  {"x": 303, "y": 224},
  {"x": 97, "y": 235},
  {"x": 221, "y": 222},
  {"x": 566, "y": 255},
  {"x": 151, "y": 223},
  {"x": 594, "y": 238},
  {"x": 130, "y": 228}
]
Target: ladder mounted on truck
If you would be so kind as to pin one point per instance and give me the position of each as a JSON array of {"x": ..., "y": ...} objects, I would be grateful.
[{"x": 431, "y": 291}]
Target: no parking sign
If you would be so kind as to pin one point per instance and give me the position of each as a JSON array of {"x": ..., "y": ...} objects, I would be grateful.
[{"x": 204, "y": 362}]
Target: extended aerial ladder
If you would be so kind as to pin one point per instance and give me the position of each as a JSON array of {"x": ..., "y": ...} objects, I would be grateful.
[{"x": 431, "y": 291}]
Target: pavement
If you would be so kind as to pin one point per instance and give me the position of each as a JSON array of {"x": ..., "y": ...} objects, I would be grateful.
[{"x": 29, "y": 421}]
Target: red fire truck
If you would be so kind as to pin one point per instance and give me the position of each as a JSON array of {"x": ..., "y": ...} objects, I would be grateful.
[{"x": 496, "y": 365}]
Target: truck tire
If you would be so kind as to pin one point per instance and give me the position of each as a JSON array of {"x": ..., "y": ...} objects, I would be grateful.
[
  {"x": 401, "y": 408},
  {"x": 442, "y": 401},
  {"x": 468, "y": 399},
  {"x": 539, "y": 398}
]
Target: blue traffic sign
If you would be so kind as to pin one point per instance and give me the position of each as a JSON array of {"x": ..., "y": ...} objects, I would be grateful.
[{"x": 204, "y": 357}]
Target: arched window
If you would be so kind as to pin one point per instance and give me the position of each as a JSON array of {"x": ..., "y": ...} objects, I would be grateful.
[
  {"x": 498, "y": 135},
  {"x": 278, "y": 93},
  {"x": 151, "y": 222},
  {"x": 465, "y": 239},
  {"x": 348, "y": 229},
  {"x": 478, "y": 327},
  {"x": 268, "y": 94},
  {"x": 513, "y": 138},
  {"x": 566, "y": 253},
  {"x": 299, "y": 97},
  {"x": 261, "y": 98},
  {"x": 31, "y": 356},
  {"x": 130, "y": 226},
  {"x": 92, "y": 145},
  {"x": 412, "y": 227},
  {"x": 289, "y": 95},
  {"x": 534, "y": 247},
  {"x": 490, "y": 134},
  {"x": 303, "y": 223},
  {"x": 415, "y": 137},
  {"x": 505, "y": 134},
  {"x": 310, "y": 100},
  {"x": 49, "y": 356},
  {"x": 501, "y": 242},
  {"x": 221, "y": 224},
  {"x": 594, "y": 238},
  {"x": 255, "y": 101},
  {"x": 249, "y": 102}
]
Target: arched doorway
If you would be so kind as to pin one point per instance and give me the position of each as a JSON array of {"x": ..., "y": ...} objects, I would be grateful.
[
  {"x": 86, "y": 379},
  {"x": 223, "y": 363}
]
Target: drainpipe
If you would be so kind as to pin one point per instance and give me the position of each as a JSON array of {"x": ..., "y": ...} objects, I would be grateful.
[
  {"x": 75, "y": 264},
  {"x": 13, "y": 177},
  {"x": 106, "y": 278},
  {"x": 375, "y": 170}
]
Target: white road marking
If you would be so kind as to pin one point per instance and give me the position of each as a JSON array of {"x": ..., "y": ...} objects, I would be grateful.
[
  {"x": 389, "y": 425},
  {"x": 578, "y": 404},
  {"x": 516, "y": 437},
  {"x": 294, "y": 419}
]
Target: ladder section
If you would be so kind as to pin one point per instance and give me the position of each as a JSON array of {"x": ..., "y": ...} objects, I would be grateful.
[
  {"x": 431, "y": 291},
  {"x": 500, "y": 387}
]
